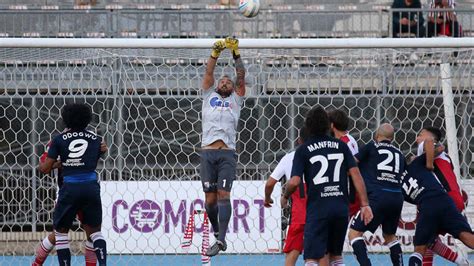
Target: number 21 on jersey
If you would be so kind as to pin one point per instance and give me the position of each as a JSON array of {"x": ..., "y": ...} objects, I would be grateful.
[{"x": 385, "y": 164}]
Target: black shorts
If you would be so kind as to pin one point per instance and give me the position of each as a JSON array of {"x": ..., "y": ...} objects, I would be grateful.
[
  {"x": 74, "y": 197},
  {"x": 386, "y": 207},
  {"x": 218, "y": 169},
  {"x": 437, "y": 215},
  {"x": 323, "y": 236}
]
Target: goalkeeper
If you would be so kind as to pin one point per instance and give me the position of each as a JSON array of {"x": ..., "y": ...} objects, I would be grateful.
[{"x": 221, "y": 105}]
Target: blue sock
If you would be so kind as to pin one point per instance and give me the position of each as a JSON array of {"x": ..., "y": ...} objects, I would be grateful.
[
  {"x": 100, "y": 248},
  {"x": 225, "y": 211},
  {"x": 396, "y": 253},
  {"x": 415, "y": 259},
  {"x": 212, "y": 212},
  {"x": 360, "y": 251},
  {"x": 62, "y": 248}
]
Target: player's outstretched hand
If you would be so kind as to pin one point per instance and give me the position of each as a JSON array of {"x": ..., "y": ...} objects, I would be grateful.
[
  {"x": 217, "y": 48},
  {"x": 233, "y": 45},
  {"x": 268, "y": 203},
  {"x": 366, "y": 214}
]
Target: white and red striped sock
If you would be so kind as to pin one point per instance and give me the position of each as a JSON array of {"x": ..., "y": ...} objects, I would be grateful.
[
  {"x": 62, "y": 240},
  {"x": 89, "y": 254},
  {"x": 42, "y": 251},
  {"x": 428, "y": 258},
  {"x": 444, "y": 251}
]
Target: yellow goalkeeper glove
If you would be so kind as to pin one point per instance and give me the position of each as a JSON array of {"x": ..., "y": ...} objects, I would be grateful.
[
  {"x": 233, "y": 45},
  {"x": 217, "y": 48}
]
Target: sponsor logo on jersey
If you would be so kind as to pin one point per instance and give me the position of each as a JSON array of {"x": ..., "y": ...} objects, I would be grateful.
[{"x": 216, "y": 102}]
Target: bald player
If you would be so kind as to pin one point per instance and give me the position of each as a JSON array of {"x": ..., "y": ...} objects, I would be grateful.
[{"x": 381, "y": 165}]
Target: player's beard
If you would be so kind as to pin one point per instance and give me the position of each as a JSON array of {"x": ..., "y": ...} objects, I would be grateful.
[{"x": 224, "y": 92}]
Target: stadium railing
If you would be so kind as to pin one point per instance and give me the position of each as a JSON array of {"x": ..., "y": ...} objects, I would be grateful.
[
  {"x": 315, "y": 21},
  {"x": 464, "y": 17},
  {"x": 187, "y": 23}
]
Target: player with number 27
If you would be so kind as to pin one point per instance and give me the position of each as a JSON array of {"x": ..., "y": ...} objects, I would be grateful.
[{"x": 324, "y": 162}]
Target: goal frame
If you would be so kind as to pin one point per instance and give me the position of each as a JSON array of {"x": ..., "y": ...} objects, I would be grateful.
[{"x": 344, "y": 43}]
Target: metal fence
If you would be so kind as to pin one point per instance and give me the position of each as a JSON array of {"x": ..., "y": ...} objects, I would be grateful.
[
  {"x": 190, "y": 3},
  {"x": 316, "y": 21},
  {"x": 148, "y": 111}
]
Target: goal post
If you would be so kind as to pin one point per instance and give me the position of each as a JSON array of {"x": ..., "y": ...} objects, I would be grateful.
[
  {"x": 145, "y": 97},
  {"x": 448, "y": 103}
]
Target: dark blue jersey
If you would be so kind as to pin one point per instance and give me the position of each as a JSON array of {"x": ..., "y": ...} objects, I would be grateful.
[
  {"x": 420, "y": 184},
  {"x": 324, "y": 162},
  {"x": 382, "y": 165},
  {"x": 79, "y": 152}
]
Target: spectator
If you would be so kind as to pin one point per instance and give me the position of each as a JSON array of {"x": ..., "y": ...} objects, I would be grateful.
[
  {"x": 443, "y": 23},
  {"x": 85, "y": 2},
  {"x": 407, "y": 22}
]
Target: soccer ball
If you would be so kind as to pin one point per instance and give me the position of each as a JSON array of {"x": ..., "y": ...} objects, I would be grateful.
[{"x": 249, "y": 8}]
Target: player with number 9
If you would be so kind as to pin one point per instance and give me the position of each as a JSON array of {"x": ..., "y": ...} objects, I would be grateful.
[
  {"x": 47, "y": 244},
  {"x": 324, "y": 162},
  {"x": 79, "y": 150}
]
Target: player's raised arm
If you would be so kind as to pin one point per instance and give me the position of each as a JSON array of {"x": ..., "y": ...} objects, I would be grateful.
[
  {"x": 233, "y": 45},
  {"x": 365, "y": 211},
  {"x": 429, "y": 147},
  {"x": 208, "y": 80}
]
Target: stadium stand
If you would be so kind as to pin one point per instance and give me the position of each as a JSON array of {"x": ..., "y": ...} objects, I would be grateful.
[{"x": 203, "y": 19}]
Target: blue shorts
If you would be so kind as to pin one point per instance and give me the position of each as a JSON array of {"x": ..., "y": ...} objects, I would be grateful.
[
  {"x": 324, "y": 235},
  {"x": 386, "y": 207},
  {"x": 218, "y": 169},
  {"x": 438, "y": 214},
  {"x": 74, "y": 197}
]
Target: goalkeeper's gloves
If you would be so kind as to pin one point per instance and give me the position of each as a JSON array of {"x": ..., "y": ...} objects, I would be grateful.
[
  {"x": 233, "y": 45},
  {"x": 217, "y": 48}
]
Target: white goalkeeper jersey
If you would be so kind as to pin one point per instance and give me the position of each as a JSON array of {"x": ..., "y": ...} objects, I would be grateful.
[{"x": 220, "y": 117}]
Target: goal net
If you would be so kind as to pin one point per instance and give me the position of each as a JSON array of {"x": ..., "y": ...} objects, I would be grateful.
[{"x": 146, "y": 105}]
